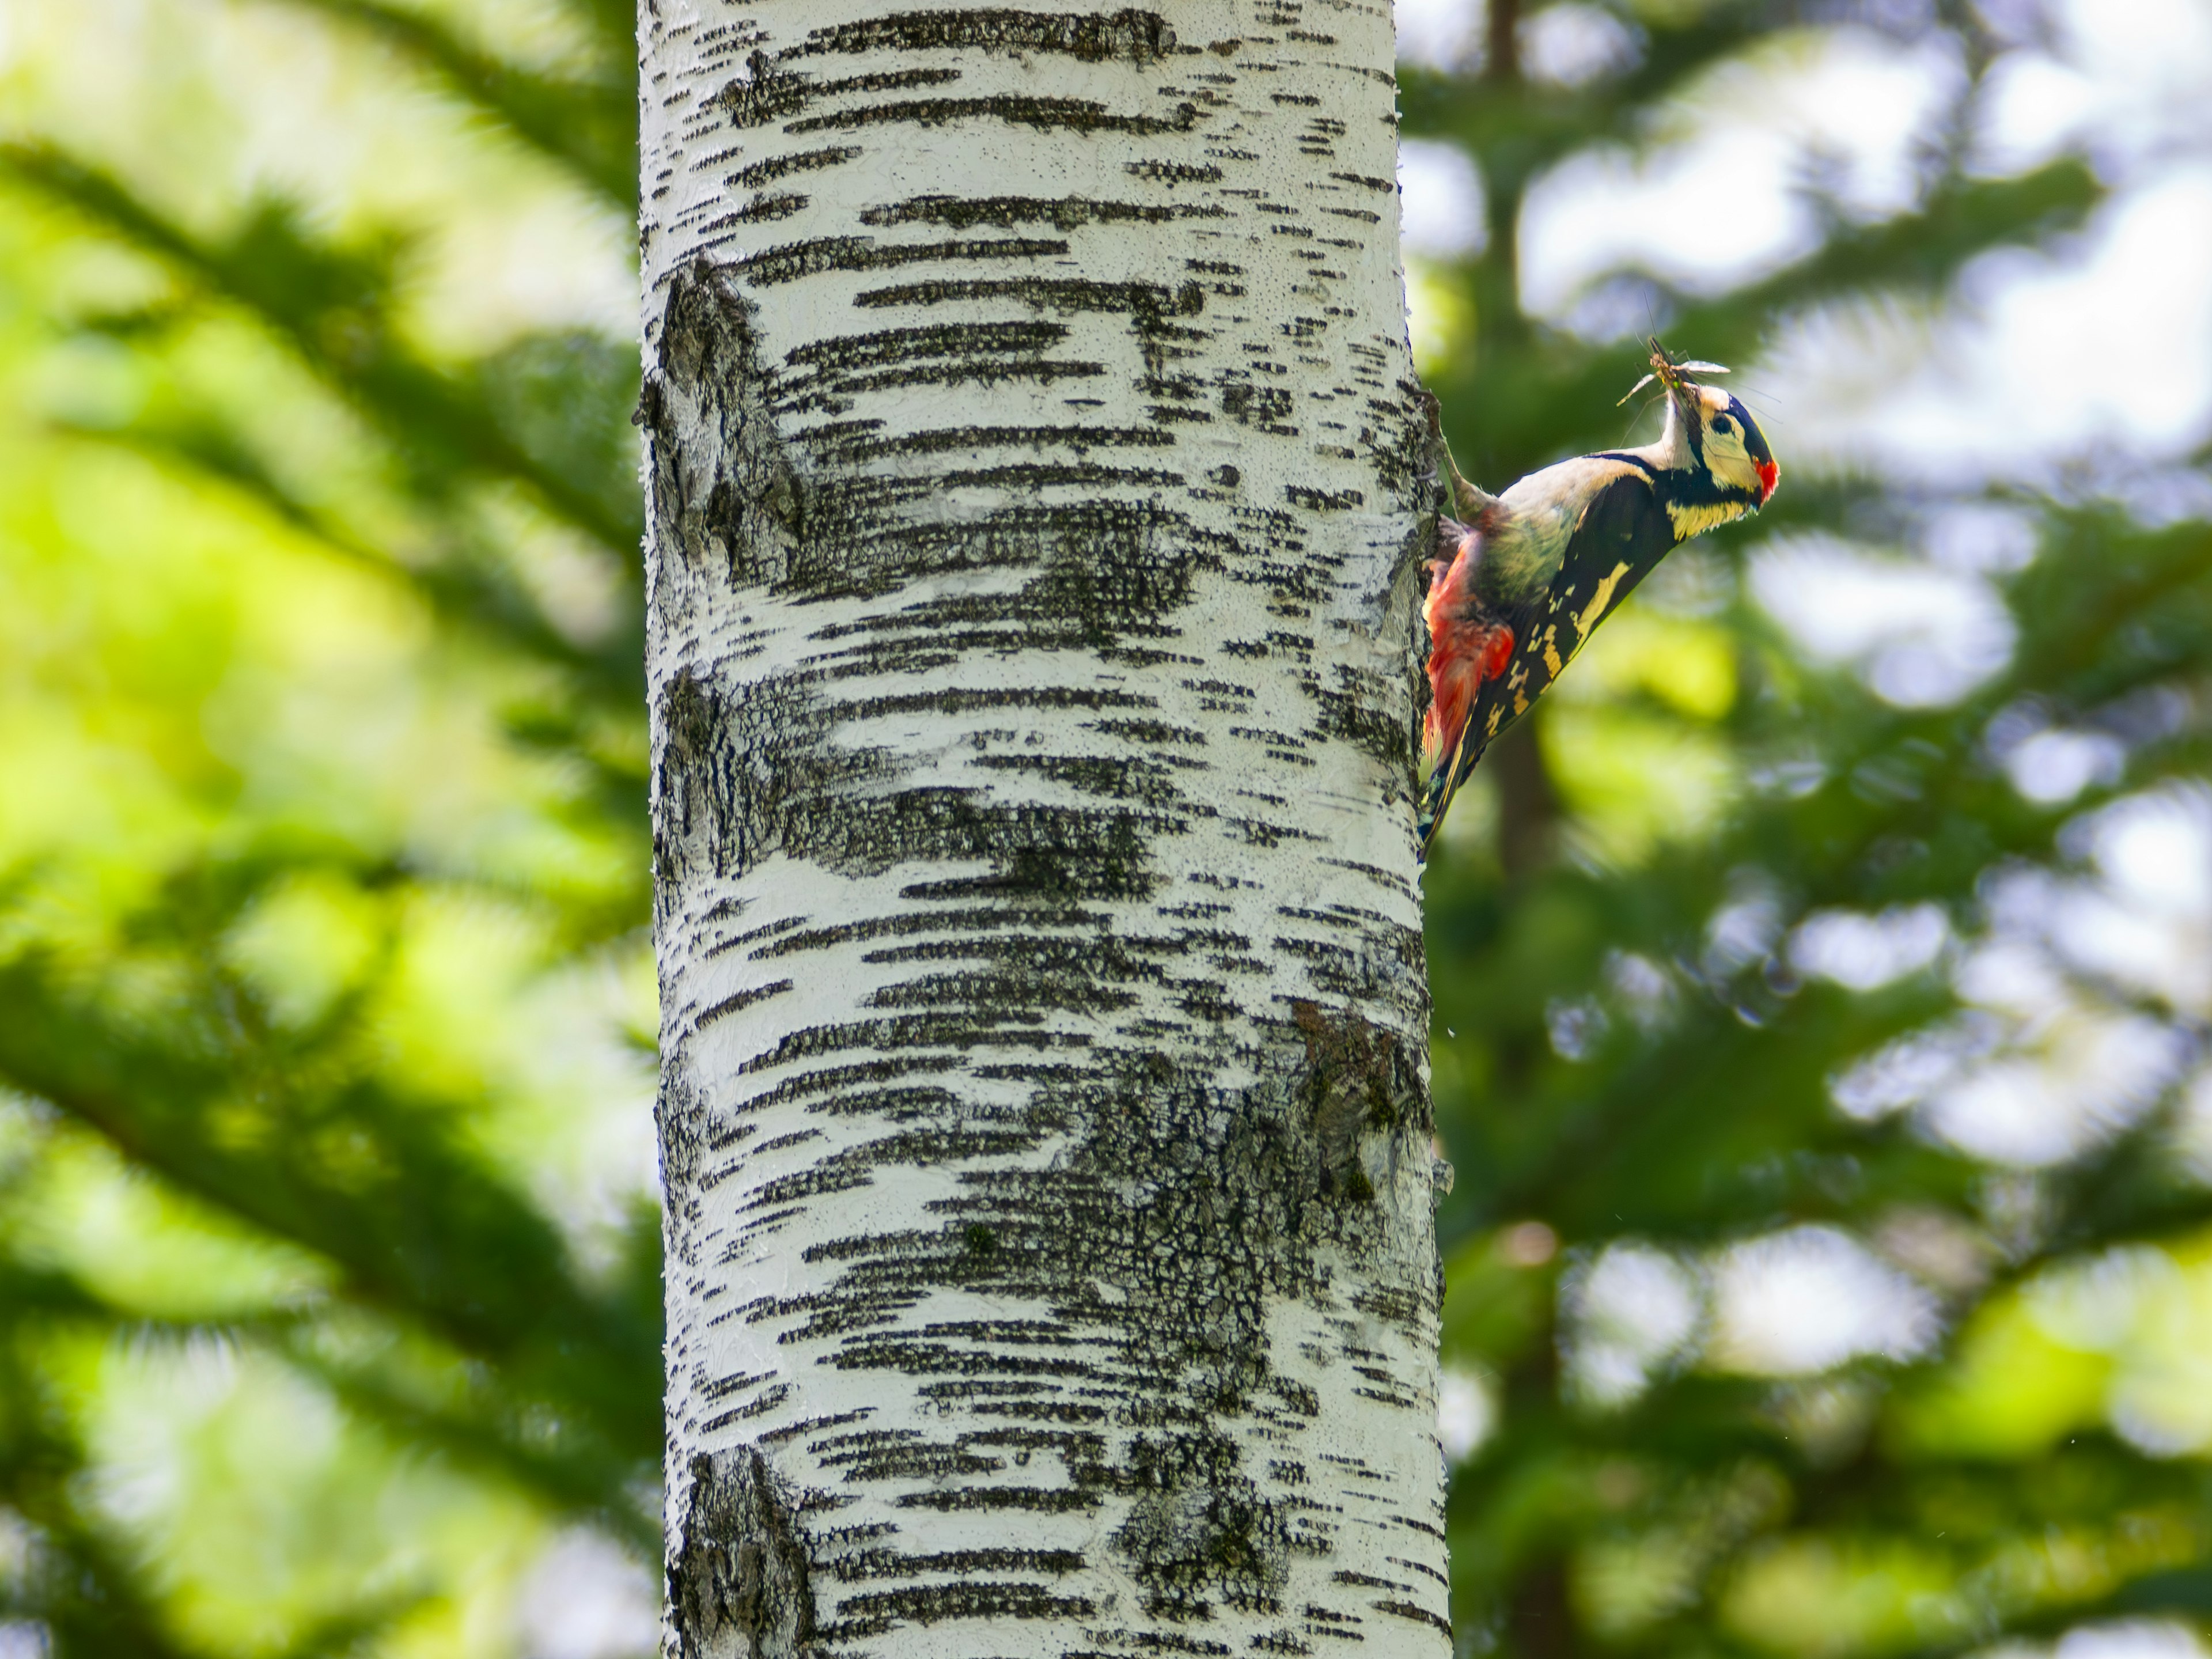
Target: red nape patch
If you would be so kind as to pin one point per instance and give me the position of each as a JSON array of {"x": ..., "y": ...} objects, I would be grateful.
[{"x": 1769, "y": 475}]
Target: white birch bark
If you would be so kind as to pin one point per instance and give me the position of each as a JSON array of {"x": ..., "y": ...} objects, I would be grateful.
[{"x": 1036, "y": 473}]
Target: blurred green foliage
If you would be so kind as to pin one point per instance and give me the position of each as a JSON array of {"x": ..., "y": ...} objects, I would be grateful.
[
  {"x": 331, "y": 1296},
  {"x": 1639, "y": 1077},
  {"x": 326, "y": 997}
]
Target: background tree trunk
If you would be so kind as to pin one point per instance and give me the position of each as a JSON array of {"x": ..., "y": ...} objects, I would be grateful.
[{"x": 1036, "y": 479}]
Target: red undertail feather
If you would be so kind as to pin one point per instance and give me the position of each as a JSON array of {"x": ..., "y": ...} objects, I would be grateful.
[{"x": 1463, "y": 652}]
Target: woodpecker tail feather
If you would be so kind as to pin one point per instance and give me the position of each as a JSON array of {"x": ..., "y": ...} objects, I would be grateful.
[
  {"x": 1468, "y": 646},
  {"x": 1450, "y": 772}
]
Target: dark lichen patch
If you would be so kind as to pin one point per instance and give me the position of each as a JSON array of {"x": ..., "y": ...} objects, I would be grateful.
[
  {"x": 746, "y": 772},
  {"x": 1128, "y": 35},
  {"x": 1367, "y": 968},
  {"x": 1055, "y": 855},
  {"x": 723, "y": 505},
  {"x": 1400, "y": 447},
  {"x": 1213, "y": 1540},
  {"x": 680, "y": 1120},
  {"x": 743, "y": 772},
  {"x": 739, "y": 1571},
  {"x": 1357, "y": 1078},
  {"x": 1264, "y": 406}
]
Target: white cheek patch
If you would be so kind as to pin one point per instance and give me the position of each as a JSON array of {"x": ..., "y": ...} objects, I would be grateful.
[{"x": 1730, "y": 465}]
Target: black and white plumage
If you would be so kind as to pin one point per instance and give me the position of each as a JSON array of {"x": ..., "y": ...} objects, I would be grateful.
[{"x": 1524, "y": 578}]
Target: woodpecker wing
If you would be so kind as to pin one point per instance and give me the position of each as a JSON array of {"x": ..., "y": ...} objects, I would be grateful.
[{"x": 1620, "y": 533}]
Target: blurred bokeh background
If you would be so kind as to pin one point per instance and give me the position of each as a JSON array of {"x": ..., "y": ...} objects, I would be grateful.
[{"x": 1822, "y": 975}]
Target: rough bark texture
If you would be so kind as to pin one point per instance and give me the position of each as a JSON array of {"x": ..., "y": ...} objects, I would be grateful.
[{"x": 1036, "y": 476}]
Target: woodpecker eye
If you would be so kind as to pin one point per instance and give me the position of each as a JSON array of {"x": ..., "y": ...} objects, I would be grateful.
[{"x": 1722, "y": 424}]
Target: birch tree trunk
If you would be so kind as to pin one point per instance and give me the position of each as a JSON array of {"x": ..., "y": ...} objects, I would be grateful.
[{"x": 1036, "y": 476}]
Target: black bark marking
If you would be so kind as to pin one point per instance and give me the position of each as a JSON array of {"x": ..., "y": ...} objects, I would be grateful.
[
  {"x": 830, "y": 374},
  {"x": 1084, "y": 115},
  {"x": 778, "y": 166},
  {"x": 878, "y": 1611},
  {"x": 1172, "y": 173},
  {"x": 1362, "y": 708},
  {"x": 789, "y": 93},
  {"x": 767, "y": 92},
  {"x": 739, "y": 1575},
  {"x": 1062, "y": 213},
  {"x": 762, "y": 209},
  {"x": 1147, "y": 302},
  {"x": 1263, "y": 406},
  {"x": 1105, "y": 569},
  {"x": 742, "y": 774},
  {"x": 680, "y": 1116},
  {"x": 794, "y": 260},
  {"x": 1141, "y": 37},
  {"x": 746, "y": 773}
]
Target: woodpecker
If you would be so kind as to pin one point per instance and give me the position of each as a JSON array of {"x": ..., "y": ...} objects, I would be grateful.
[{"x": 1524, "y": 578}]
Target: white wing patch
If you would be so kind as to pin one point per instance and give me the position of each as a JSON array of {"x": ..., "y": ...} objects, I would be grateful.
[{"x": 1594, "y": 612}]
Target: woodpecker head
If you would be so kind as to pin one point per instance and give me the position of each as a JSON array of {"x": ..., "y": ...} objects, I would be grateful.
[
  {"x": 1722, "y": 434},
  {"x": 1723, "y": 468}
]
